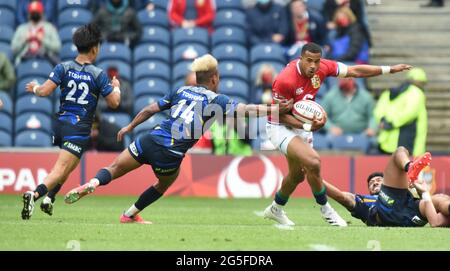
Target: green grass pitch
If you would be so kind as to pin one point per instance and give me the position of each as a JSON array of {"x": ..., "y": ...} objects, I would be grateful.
[{"x": 198, "y": 224}]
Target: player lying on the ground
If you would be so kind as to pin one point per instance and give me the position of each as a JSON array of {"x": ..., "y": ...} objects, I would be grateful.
[
  {"x": 193, "y": 109},
  {"x": 390, "y": 203},
  {"x": 81, "y": 85}
]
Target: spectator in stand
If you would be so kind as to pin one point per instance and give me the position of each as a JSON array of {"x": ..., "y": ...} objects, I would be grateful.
[
  {"x": 7, "y": 74},
  {"x": 349, "y": 109},
  {"x": 263, "y": 84},
  {"x": 37, "y": 38},
  {"x": 434, "y": 3},
  {"x": 350, "y": 44},
  {"x": 357, "y": 7},
  {"x": 22, "y": 10},
  {"x": 104, "y": 135},
  {"x": 126, "y": 94},
  {"x": 118, "y": 22},
  {"x": 267, "y": 22},
  {"x": 192, "y": 13}
]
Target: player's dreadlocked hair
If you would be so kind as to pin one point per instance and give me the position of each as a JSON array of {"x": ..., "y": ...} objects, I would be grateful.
[
  {"x": 204, "y": 67},
  {"x": 311, "y": 47},
  {"x": 86, "y": 37}
]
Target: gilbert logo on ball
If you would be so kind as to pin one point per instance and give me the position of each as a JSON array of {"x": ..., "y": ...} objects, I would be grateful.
[{"x": 305, "y": 111}]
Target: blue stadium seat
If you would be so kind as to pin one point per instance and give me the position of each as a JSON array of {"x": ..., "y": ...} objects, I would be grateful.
[
  {"x": 114, "y": 51},
  {"x": 188, "y": 52},
  {"x": 232, "y": 70},
  {"x": 267, "y": 52},
  {"x": 321, "y": 142},
  {"x": 7, "y": 103},
  {"x": 66, "y": 33},
  {"x": 31, "y": 103},
  {"x": 68, "y": 51},
  {"x": 229, "y": 4},
  {"x": 149, "y": 124},
  {"x": 150, "y": 86},
  {"x": 57, "y": 103},
  {"x": 70, "y": 4},
  {"x": 6, "y": 49},
  {"x": 151, "y": 51},
  {"x": 74, "y": 16},
  {"x": 33, "y": 121},
  {"x": 6, "y": 33},
  {"x": 190, "y": 35},
  {"x": 178, "y": 83},
  {"x": 230, "y": 17},
  {"x": 152, "y": 34},
  {"x": 124, "y": 68},
  {"x": 238, "y": 99},
  {"x": 152, "y": 68},
  {"x": 12, "y": 5},
  {"x": 357, "y": 142},
  {"x": 235, "y": 88},
  {"x": 228, "y": 35},
  {"x": 119, "y": 119},
  {"x": 155, "y": 17},
  {"x": 33, "y": 139},
  {"x": 143, "y": 101},
  {"x": 5, "y": 139},
  {"x": 6, "y": 122},
  {"x": 7, "y": 17},
  {"x": 316, "y": 5},
  {"x": 231, "y": 52},
  {"x": 34, "y": 68},
  {"x": 21, "y": 91},
  {"x": 181, "y": 70},
  {"x": 255, "y": 68},
  {"x": 160, "y": 4}
]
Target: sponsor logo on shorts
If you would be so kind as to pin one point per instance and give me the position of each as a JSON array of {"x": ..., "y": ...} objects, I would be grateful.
[
  {"x": 386, "y": 198},
  {"x": 418, "y": 221},
  {"x": 133, "y": 148},
  {"x": 72, "y": 147},
  {"x": 165, "y": 170}
]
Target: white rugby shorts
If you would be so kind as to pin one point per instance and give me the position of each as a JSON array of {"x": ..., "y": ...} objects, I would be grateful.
[{"x": 280, "y": 136}]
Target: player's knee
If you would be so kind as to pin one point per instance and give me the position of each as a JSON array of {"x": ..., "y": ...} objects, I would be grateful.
[
  {"x": 401, "y": 149},
  {"x": 313, "y": 165}
]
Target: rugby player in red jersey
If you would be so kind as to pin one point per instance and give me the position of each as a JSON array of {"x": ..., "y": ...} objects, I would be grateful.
[{"x": 301, "y": 80}]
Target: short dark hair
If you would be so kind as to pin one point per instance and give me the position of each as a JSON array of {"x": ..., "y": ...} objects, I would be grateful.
[
  {"x": 311, "y": 47},
  {"x": 203, "y": 77},
  {"x": 373, "y": 175},
  {"x": 86, "y": 37}
]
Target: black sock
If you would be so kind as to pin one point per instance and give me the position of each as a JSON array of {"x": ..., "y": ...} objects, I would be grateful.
[
  {"x": 148, "y": 197},
  {"x": 103, "y": 176},
  {"x": 449, "y": 208},
  {"x": 321, "y": 196},
  {"x": 41, "y": 190},
  {"x": 407, "y": 166},
  {"x": 52, "y": 193},
  {"x": 280, "y": 199}
]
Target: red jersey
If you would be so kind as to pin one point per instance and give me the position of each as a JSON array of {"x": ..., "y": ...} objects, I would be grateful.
[{"x": 291, "y": 84}]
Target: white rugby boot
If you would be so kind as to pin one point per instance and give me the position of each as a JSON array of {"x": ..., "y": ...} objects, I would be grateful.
[
  {"x": 331, "y": 216},
  {"x": 276, "y": 212}
]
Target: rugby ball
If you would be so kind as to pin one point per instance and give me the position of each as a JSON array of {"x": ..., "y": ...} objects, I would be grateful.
[{"x": 305, "y": 110}]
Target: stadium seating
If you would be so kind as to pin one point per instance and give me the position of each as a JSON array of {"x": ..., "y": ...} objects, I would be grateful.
[
  {"x": 160, "y": 4},
  {"x": 149, "y": 124},
  {"x": 31, "y": 103},
  {"x": 228, "y": 34},
  {"x": 321, "y": 142},
  {"x": 74, "y": 17},
  {"x": 190, "y": 35},
  {"x": 150, "y": 86},
  {"x": 33, "y": 139},
  {"x": 7, "y": 103},
  {"x": 66, "y": 33},
  {"x": 12, "y": 5},
  {"x": 239, "y": 99},
  {"x": 188, "y": 52},
  {"x": 151, "y": 68},
  {"x": 33, "y": 121},
  {"x": 34, "y": 68},
  {"x": 181, "y": 70},
  {"x": 114, "y": 51},
  {"x": 178, "y": 83},
  {"x": 6, "y": 122},
  {"x": 119, "y": 119},
  {"x": 21, "y": 90},
  {"x": 231, "y": 52},
  {"x": 143, "y": 101},
  {"x": 151, "y": 51},
  {"x": 124, "y": 69},
  {"x": 6, "y": 33},
  {"x": 155, "y": 17},
  {"x": 69, "y": 4},
  {"x": 233, "y": 70},
  {"x": 5, "y": 139},
  {"x": 235, "y": 88},
  {"x": 355, "y": 142},
  {"x": 152, "y": 34},
  {"x": 68, "y": 51},
  {"x": 6, "y": 49},
  {"x": 229, "y": 4},
  {"x": 7, "y": 17},
  {"x": 230, "y": 17},
  {"x": 267, "y": 52}
]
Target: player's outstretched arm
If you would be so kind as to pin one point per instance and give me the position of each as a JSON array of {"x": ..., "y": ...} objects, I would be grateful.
[
  {"x": 113, "y": 99},
  {"x": 263, "y": 110},
  {"x": 43, "y": 90},
  {"x": 346, "y": 199},
  {"x": 371, "y": 70},
  {"x": 142, "y": 116}
]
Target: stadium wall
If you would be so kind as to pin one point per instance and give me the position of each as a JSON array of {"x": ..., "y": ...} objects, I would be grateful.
[{"x": 207, "y": 175}]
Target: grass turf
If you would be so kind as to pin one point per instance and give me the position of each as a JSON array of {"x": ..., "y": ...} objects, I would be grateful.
[{"x": 198, "y": 224}]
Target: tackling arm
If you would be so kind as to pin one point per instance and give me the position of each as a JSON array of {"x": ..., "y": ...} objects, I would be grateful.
[
  {"x": 262, "y": 109},
  {"x": 142, "y": 116},
  {"x": 346, "y": 199}
]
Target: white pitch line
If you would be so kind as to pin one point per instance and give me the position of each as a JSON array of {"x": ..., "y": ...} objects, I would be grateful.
[
  {"x": 259, "y": 213},
  {"x": 321, "y": 247},
  {"x": 284, "y": 227}
]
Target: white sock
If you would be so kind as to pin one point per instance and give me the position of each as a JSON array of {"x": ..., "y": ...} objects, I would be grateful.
[
  {"x": 326, "y": 206},
  {"x": 276, "y": 205},
  {"x": 95, "y": 182},
  {"x": 132, "y": 211},
  {"x": 47, "y": 200}
]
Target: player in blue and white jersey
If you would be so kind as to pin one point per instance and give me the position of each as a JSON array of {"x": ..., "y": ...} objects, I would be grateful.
[
  {"x": 193, "y": 110},
  {"x": 81, "y": 85}
]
